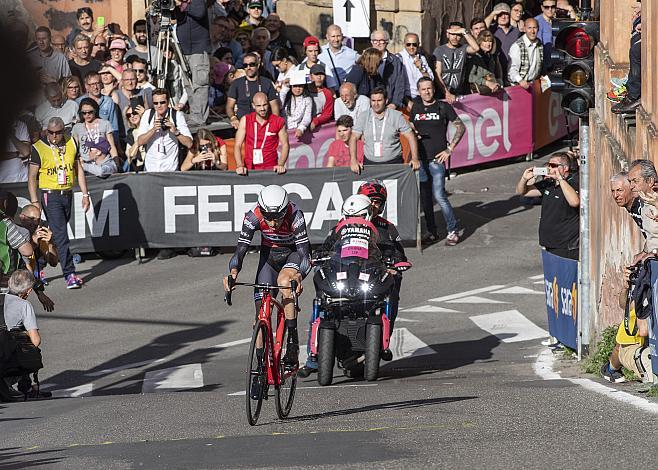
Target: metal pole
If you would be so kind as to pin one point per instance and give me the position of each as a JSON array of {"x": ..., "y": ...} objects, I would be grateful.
[{"x": 583, "y": 268}]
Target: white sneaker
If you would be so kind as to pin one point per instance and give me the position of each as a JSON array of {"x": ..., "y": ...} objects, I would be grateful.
[{"x": 452, "y": 239}]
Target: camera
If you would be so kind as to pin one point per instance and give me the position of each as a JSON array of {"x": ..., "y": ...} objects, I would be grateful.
[
  {"x": 540, "y": 171},
  {"x": 163, "y": 124},
  {"x": 204, "y": 148},
  {"x": 158, "y": 6}
]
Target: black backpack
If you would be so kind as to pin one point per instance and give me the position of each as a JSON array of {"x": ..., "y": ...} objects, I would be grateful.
[{"x": 640, "y": 297}]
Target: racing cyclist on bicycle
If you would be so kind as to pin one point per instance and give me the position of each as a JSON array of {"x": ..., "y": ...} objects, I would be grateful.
[
  {"x": 285, "y": 256},
  {"x": 389, "y": 244}
]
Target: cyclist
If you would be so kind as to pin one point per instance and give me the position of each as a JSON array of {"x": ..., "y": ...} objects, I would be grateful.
[
  {"x": 357, "y": 214},
  {"x": 285, "y": 255},
  {"x": 389, "y": 244}
]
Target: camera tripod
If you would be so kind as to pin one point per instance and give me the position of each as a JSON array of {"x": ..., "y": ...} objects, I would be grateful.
[{"x": 161, "y": 63}]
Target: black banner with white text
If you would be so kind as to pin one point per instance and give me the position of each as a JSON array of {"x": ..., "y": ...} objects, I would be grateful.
[{"x": 206, "y": 208}]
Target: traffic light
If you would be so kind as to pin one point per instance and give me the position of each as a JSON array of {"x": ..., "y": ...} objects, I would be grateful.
[{"x": 572, "y": 73}]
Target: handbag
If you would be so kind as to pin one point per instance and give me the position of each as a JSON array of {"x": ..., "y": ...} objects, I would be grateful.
[{"x": 28, "y": 356}]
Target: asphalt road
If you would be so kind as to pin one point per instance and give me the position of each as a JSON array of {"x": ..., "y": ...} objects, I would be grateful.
[{"x": 148, "y": 364}]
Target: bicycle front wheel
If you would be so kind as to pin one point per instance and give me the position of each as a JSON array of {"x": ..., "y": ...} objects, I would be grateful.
[
  {"x": 285, "y": 391},
  {"x": 256, "y": 376}
]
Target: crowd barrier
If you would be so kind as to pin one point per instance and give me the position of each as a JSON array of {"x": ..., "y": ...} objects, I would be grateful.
[
  {"x": 206, "y": 208},
  {"x": 509, "y": 124},
  {"x": 561, "y": 289}
]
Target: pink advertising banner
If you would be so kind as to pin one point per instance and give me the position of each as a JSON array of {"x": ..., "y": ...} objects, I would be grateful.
[
  {"x": 510, "y": 124},
  {"x": 497, "y": 127}
]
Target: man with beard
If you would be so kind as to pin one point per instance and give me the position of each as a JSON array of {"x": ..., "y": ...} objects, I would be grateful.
[
  {"x": 243, "y": 90},
  {"x": 141, "y": 48}
]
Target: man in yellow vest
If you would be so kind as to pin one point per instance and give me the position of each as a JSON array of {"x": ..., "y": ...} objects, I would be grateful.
[{"x": 54, "y": 164}]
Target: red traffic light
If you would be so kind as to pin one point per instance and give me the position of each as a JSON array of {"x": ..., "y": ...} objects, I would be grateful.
[{"x": 578, "y": 43}]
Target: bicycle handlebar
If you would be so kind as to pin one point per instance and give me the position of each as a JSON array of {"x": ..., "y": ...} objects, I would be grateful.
[{"x": 268, "y": 287}]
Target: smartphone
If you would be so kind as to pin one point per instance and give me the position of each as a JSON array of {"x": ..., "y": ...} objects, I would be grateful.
[
  {"x": 136, "y": 101},
  {"x": 540, "y": 171},
  {"x": 100, "y": 21}
]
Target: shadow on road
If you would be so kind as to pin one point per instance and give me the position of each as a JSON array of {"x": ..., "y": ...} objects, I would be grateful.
[
  {"x": 448, "y": 356},
  {"x": 476, "y": 214},
  {"x": 14, "y": 458},
  {"x": 144, "y": 356},
  {"x": 396, "y": 405}
]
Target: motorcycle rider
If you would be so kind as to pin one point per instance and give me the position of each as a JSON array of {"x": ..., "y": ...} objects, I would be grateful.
[
  {"x": 285, "y": 255},
  {"x": 357, "y": 214},
  {"x": 389, "y": 244}
]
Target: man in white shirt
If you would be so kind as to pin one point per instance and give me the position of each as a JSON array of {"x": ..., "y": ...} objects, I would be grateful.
[
  {"x": 160, "y": 131},
  {"x": 338, "y": 59},
  {"x": 56, "y": 106},
  {"x": 350, "y": 103},
  {"x": 415, "y": 63},
  {"x": 526, "y": 56}
]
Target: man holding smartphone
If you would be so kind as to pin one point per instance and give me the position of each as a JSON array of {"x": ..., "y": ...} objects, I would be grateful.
[
  {"x": 138, "y": 100},
  {"x": 559, "y": 224}
]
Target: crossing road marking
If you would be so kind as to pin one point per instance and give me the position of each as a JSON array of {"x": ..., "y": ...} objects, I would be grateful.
[
  {"x": 233, "y": 343},
  {"x": 473, "y": 299},
  {"x": 172, "y": 379},
  {"x": 79, "y": 391},
  {"x": 518, "y": 290},
  {"x": 538, "y": 276},
  {"x": 429, "y": 309},
  {"x": 510, "y": 326},
  {"x": 405, "y": 344},
  {"x": 466, "y": 294}
]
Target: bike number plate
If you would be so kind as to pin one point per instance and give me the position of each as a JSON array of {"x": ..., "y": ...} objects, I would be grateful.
[{"x": 355, "y": 247}]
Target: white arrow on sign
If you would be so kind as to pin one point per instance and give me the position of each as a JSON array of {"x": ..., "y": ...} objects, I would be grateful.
[{"x": 353, "y": 16}]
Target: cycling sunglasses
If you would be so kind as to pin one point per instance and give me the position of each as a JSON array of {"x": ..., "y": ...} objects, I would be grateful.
[{"x": 273, "y": 216}]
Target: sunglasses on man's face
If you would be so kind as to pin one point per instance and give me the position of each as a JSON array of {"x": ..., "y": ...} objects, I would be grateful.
[
  {"x": 411, "y": 44},
  {"x": 56, "y": 132},
  {"x": 159, "y": 102},
  {"x": 84, "y": 113},
  {"x": 549, "y": 7},
  {"x": 250, "y": 64}
]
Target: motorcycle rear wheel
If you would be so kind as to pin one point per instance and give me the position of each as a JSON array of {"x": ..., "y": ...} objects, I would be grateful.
[{"x": 326, "y": 357}]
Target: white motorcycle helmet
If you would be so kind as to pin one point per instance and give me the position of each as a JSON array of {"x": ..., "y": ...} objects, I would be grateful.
[
  {"x": 273, "y": 202},
  {"x": 357, "y": 205}
]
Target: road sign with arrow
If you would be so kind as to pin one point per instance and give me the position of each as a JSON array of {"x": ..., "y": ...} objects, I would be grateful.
[{"x": 353, "y": 16}]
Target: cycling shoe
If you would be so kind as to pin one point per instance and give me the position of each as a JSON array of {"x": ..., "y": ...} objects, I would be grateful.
[
  {"x": 291, "y": 359},
  {"x": 305, "y": 372},
  {"x": 256, "y": 387}
]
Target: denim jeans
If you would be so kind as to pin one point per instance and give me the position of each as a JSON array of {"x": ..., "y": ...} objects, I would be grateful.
[
  {"x": 436, "y": 174},
  {"x": 58, "y": 212}
]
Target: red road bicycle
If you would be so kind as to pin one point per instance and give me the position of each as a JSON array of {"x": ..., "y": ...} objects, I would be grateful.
[{"x": 271, "y": 371}]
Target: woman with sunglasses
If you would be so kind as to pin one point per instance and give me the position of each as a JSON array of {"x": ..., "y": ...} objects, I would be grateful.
[
  {"x": 95, "y": 141},
  {"x": 110, "y": 84},
  {"x": 134, "y": 153},
  {"x": 207, "y": 153},
  {"x": 71, "y": 87}
]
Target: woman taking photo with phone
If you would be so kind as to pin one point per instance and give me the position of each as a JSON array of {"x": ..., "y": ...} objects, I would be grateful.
[{"x": 207, "y": 153}]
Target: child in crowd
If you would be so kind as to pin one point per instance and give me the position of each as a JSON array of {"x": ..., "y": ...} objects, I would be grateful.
[
  {"x": 338, "y": 153},
  {"x": 297, "y": 103}
]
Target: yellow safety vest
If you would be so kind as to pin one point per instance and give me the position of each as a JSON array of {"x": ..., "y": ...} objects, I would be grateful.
[{"x": 52, "y": 161}]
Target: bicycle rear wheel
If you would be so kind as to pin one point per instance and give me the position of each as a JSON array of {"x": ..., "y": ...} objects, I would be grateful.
[
  {"x": 285, "y": 392},
  {"x": 258, "y": 372}
]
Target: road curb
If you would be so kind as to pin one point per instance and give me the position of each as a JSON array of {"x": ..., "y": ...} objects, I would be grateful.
[{"x": 543, "y": 367}]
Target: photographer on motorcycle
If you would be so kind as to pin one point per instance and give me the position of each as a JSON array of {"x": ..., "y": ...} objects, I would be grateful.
[
  {"x": 285, "y": 255},
  {"x": 355, "y": 224}
]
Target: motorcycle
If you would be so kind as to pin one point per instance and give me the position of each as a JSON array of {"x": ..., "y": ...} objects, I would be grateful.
[{"x": 351, "y": 321}]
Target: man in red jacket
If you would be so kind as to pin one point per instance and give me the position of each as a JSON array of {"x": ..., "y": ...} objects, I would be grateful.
[{"x": 323, "y": 97}]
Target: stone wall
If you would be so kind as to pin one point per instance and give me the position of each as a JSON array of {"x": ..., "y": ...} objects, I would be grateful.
[{"x": 614, "y": 144}]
